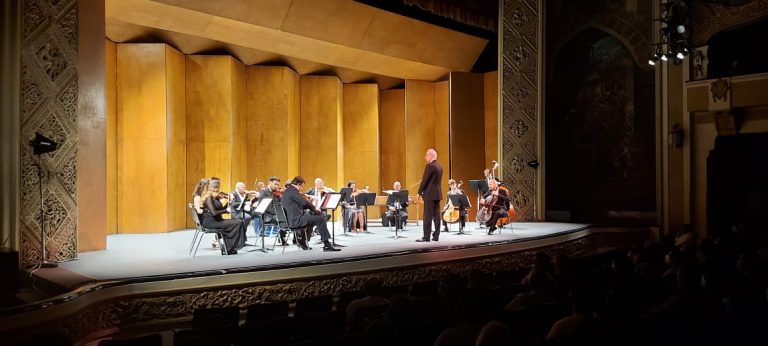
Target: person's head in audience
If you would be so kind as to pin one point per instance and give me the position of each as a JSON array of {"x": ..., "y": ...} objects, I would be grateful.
[
  {"x": 400, "y": 312},
  {"x": 451, "y": 284},
  {"x": 495, "y": 333},
  {"x": 561, "y": 263},
  {"x": 478, "y": 279},
  {"x": 688, "y": 280},
  {"x": 372, "y": 287},
  {"x": 541, "y": 261}
]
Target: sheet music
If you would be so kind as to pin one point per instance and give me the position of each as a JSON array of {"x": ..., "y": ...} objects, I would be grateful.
[
  {"x": 331, "y": 201},
  {"x": 263, "y": 205}
]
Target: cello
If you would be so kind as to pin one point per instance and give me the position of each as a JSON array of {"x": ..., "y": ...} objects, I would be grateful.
[{"x": 451, "y": 213}]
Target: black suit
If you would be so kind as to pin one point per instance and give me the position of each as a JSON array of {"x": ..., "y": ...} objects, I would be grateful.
[
  {"x": 238, "y": 207},
  {"x": 269, "y": 214},
  {"x": 295, "y": 204},
  {"x": 431, "y": 192},
  {"x": 390, "y": 217},
  {"x": 500, "y": 208}
]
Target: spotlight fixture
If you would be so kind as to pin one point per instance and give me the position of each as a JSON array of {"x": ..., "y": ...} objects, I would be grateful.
[{"x": 673, "y": 39}]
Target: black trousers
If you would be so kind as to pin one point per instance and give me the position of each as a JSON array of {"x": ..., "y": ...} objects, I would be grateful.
[
  {"x": 319, "y": 221},
  {"x": 431, "y": 215},
  {"x": 491, "y": 223}
]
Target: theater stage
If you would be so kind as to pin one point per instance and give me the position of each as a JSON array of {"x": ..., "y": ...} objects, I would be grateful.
[{"x": 165, "y": 256}]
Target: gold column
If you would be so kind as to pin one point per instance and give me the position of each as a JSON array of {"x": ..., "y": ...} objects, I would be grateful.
[
  {"x": 272, "y": 110},
  {"x": 215, "y": 98},
  {"x": 392, "y": 138},
  {"x": 321, "y": 140},
  {"x": 491, "y": 106},
  {"x": 150, "y": 140},
  {"x": 442, "y": 133},
  {"x": 361, "y": 138},
  {"x": 419, "y": 130},
  {"x": 467, "y": 130},
  {"x": 111, "y": 107}
]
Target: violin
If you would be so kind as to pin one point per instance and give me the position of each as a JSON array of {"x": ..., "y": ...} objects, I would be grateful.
[{"x": 278, "y": 193}]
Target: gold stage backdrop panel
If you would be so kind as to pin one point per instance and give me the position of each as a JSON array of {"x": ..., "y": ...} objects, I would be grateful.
[
  {"x": 361, "y": 138},
  {"x": 491, "y": 100},
  {"x": 467, "y": 131},
  {"x": 215, "y": 106},
  {"x": 150, "y": 140},
  {"x": 111, "y": 107},
  {"x": 321, "y": 140},
  {"x": 442, "y": 132},
  {"x": 419, "y": 131},
  {"x": 392, "y": 138},
  {"x": 272, "y": 110}
]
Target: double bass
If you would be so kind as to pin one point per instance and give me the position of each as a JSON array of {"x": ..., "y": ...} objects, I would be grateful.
[
  {"x": 484, "y": 213},
  {"x": 451, "y": 213}
]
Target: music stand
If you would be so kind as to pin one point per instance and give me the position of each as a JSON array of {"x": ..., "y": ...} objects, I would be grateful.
[
  {"x": 331, "y": 201},
  {"x": 259, "y": 210},
  {"x": 396, "y": 198},
  {"x": 345, "y": 193},
  {"x": 481, "y": 186},
  {"x": 365, "y": 199},
  {"x": 462, "y": 202}
]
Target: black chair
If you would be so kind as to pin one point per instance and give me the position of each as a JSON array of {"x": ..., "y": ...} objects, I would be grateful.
[
  {"x": 200, "y": 231},
  {"x": 216, "y": 319},
  {"x": 257, "y": 313},
  {"x": 313, "y": 305},
  {"x": 282, "y": 223},
  {"x": 146, "y": 340}
]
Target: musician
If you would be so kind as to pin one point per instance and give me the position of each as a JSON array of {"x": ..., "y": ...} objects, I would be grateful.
[
  {"x": 318, "y": 191},
  {"x": 295, "y": 204},
  {"x": 241, "y": 203},
  {"x": 431, "y": 191},
  {"x": 393, "y": 211},
  {"x": 213, "y": 209},
  {"x": 354, "y": 213},
  {"x": 498, "y": 203},
  {"x": 455, "y": 190},
  {"x": 197, "y": 200},
  {"x": 272, "y": 191}
]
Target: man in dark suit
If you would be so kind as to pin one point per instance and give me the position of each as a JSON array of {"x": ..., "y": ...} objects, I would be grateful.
[
  {"x": 431, "y": 192},
  {"x": 295, "y": 204}
]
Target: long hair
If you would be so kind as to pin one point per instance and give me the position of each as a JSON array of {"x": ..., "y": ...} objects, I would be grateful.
[
  {"x": 200, "y": 188},
  {"x": 211, "y": 185}
]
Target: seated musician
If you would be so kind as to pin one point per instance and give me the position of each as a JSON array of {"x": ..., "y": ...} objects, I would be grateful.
[
  {"x": 214, "y": 206},
  {"x": 272, "y": 191},
  {"x": 295, "y": 204},
  {"x": 495, "y": 203},
  {"x": 455, "y": 190},
  {"x": 353, "y": 213},
  {"x": 394, "y": 210},
  {"x": 318, "y": 191},
  {"x": 241, "y": 202}
]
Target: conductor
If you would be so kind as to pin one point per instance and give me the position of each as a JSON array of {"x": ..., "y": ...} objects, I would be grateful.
[{"x": 431, "y": 192}]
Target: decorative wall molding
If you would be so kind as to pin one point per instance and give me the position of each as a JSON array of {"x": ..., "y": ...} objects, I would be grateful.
[
  {"x": 708, "y": 19},
  {"x": 520, "y": 87},
  {"x": 49, "y": 106}
]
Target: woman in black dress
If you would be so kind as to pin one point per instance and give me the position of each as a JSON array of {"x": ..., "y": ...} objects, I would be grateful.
[{"x": 213, "y": 209}]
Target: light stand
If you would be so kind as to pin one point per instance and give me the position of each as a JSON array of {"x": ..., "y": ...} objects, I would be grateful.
[
  {"x": 41, "y": 145},
  {"x": 534, "y": 164}
]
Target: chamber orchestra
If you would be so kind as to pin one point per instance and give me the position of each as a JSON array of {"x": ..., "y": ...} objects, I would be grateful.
[{"x": 290, "y": 208}]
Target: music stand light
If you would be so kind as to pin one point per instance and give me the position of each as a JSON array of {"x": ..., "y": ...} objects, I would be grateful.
[{"x": 42, "y": 145}]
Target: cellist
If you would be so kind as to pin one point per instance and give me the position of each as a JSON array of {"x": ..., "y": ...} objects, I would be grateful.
[
  {"x": 454, "y": 189},
  {"x": 494, "y": 204}
]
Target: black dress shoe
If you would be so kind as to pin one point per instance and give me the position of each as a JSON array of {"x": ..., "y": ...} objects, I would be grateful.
[
  {"x": 304, "y": 247},
  {"x": 422, "y": 240},
  {"x": 490, "y": 230},
  {"x": 435, "y": 239},
  {"x": 330, "y": 249}
]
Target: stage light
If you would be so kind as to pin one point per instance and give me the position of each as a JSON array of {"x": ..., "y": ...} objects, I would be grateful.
[
  {"x": 652, "y": 61},
  {"x": 680, "y": 56},
  {"x": 42, "y": 144},
  {"x": 680, "y": 29},
  {"x": 663, "y": 57}
]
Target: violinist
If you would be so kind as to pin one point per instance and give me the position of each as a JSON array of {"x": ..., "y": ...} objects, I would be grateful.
[
  {"x": 317, "y": 192},
  {"x": 241, "y": 202},
  {"x": 213, "y": 210},
  {"x": 354, "y": 213},
  {"x": 454, "y": 189},
  {"x": 295, "y": 204},
  {"x": 494, "y": 204},
  {"x": 393, "y": 209},
  {"x": 274, "y": 192}
]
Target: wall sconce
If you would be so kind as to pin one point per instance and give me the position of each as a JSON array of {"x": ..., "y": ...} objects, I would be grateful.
[{"x": 675, "y": 136}]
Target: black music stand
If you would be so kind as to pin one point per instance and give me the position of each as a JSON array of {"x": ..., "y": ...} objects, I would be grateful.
[
  {"x": 365, "y": 199},
  {"x": 345, "y": 193},
  {"x": 462, "y": 202},
  {"x": 331, "y": 201},
  {"x": 396, "y": 199},
  {"x": 481, "y": 186},
  {"x": 259, "y": 210}
]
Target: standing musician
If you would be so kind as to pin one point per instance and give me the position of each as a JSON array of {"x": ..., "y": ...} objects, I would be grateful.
[
  {"x": 317, "y": 192},
  {"x": 392, "y": 209},
  {"x": 295, "y": 204},
  {"x": 355, "y": 214},
  {"x": 495, "y": 202},
  {"x": 272, "y": 191},
  {"x": 454, "y": 190},
  {"x": 431, "y": 192}
]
